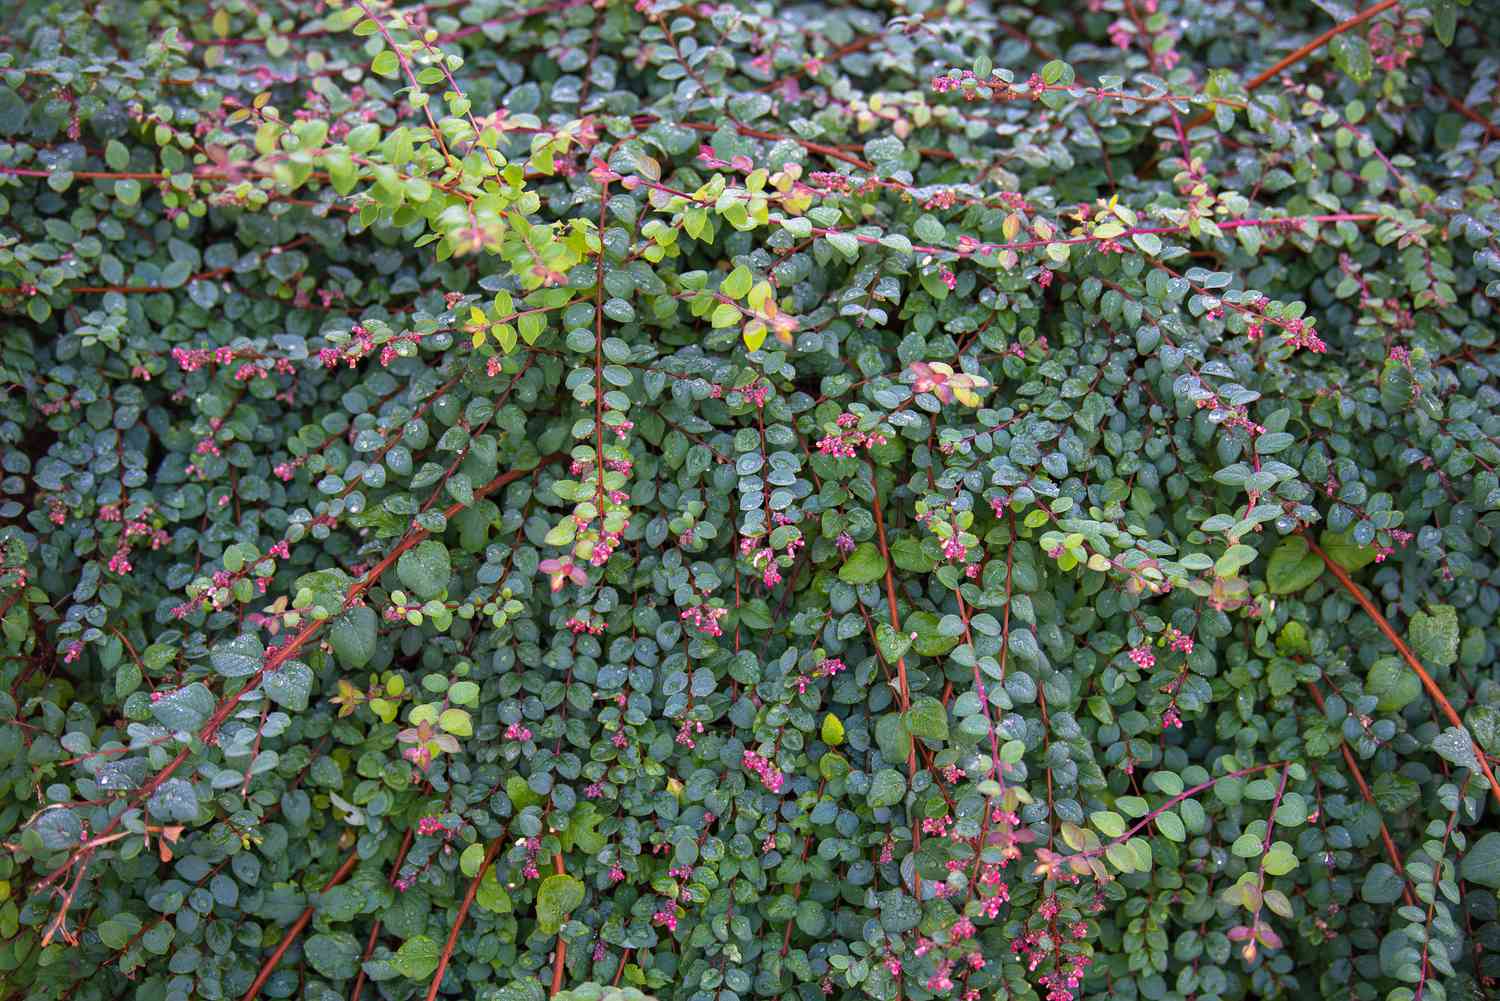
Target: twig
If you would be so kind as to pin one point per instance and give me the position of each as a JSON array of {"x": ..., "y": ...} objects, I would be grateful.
[
  {"x": 1297, "y": 55},
  {"x": 1411, "y": 658},
  {"x": 359, "y": 979},
  {"x": 1490, "y": 128},
  {"x": 279, "y": 657},
  {"x": 1364, "y": 790},
  {"x": 463, "y": 912},
  {"x": 905, "y": 688},
  {"x": 560, "y": 956},
  {"x": 269, "y": 966}
]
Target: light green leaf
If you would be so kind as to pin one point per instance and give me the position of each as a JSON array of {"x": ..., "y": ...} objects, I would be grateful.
[
  {"x": 556, "y": 899},
  {"x": 887, "y": 788},
  {"x": 1434, "y": 636},
  {"x": 832, "y": 731},
  {"x": 927, "y": 718},
  {"x": 1109, "y": 823},
  {"x": 863, "y": 566},
  {"x": 424, "y": 569},
  {"x": 416, "y": 958},
  {"x": 1292, "y": 566}
]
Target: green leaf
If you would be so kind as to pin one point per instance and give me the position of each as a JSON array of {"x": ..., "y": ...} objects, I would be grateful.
[
  {"x": 1484, "y": 723},
  {"x": 863, "y": 566},
  {"x": 845, "y": 244},
  {"x": 893, "y": 645},
  {"x": 1444, "y": 20},
  {"x": 471, "y": 859},
  {"x": 352, "y": 636},
  {"x": 457, "y": 722},
  {"x": 463, "y": 693},
  {"x": 832, "y": 731},
  {"x": 725, "y": 315},
  {"x": 491, "y": 894},
  {"x": 239, "y": 657},
  {"x": 927, "y": 718},
  {"x": 116, "y": 155},
  {"x": 416, "y": 958},
  {"x": 1149, "y": 243},
  {"x": 424, "y": 569},
  {"x": 1455, "y": 745},
  {"x": 1109, "y": 823},
  {"x": 1345, "y": 552},
  {"x": 1292, "y": 566},
  {"x": 290, "y": 686},
  {"x": 1393, "y": 683},
  {"x": 184, "y": 710},
  {"x": 887, "y": 788},
  {"x": 892, "y": 737},
  {"x": 738, "y": 283},
  {"x": 1280, "y": 860},
  {"x": 555, "y": 900},
  {"x": 386, "y": 64},
  {"x": 1433, "y": 635},
  {"x": 1382, "y": 885},
  {"x": 334, "y": 955},
  {"x": 1481, "y": 863},
  {"x": 1171, "y": 826}
]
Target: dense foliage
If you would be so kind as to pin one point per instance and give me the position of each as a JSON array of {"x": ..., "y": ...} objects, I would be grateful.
[{"x": 742, "y": 500}]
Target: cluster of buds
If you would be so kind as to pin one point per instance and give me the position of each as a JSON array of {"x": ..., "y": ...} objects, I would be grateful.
[
  {"x": 765, "y": 559},
  {"x": 362, "y": 344},
  {"x": 827, "y": 668},
  {"x": 846, "y": 440},
  {"x": 135, "y": 530},
  {"x": 770, "y": 775},
  {"x": 588, "y": 624},
  {"x": 666, "y": 915},
  {"x": 974, "y": 87},
  {"x": 704, "y": 618},
  {"x": 192, "y": 359},
  {"x": 1400, "y": 537}
]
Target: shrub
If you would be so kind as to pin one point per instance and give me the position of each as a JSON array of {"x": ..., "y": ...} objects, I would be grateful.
[{"x": 734, "y": 500}]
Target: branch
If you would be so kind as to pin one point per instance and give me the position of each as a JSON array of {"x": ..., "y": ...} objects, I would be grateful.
[
  {"x": 1490, "y": 128},
  {"x": 561, "y": 954},
  {"x": 463, "y": 912},
  {"x": 359, "y": 979},
  {"x": 269, "y": 966},
  {"x": 905, "y": 689},
  {"x": 1297, "y": 55},
  {"x": 1411, "y": 658},
  {"x": 284, "y": 653},
  {"x": 1369, "y": 797}
]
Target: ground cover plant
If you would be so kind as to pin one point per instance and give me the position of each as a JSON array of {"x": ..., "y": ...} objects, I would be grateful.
[{"x": 749, "y": 500}]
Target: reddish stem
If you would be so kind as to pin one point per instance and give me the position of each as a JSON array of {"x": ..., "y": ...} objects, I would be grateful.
[
  {"x": 561, "y": 953},
  {"x": 1406, "y": 654},
  {"x": 463, "y": 912},
  {"x": 1364, "y": 790},
  {"x": 269, "y": 966},
  {"x": 1297, "y": 55}
]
